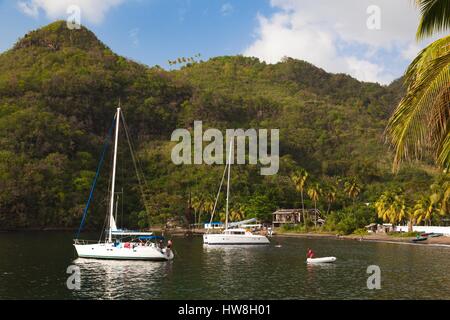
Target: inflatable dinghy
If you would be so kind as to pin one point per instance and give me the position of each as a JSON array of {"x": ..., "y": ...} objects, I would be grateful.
[{"x": 321, "y": 260}]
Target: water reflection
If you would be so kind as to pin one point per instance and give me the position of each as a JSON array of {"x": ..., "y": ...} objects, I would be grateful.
[
  {"x": 37, "y": 263},
  {"x": 314, "y": 266},
  {"x": 112, "y": 279}
]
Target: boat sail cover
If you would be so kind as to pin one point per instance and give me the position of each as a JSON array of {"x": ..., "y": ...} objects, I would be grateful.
[
  {"x": 125, "y": 232},
  {"x": 238, "y": 223}
]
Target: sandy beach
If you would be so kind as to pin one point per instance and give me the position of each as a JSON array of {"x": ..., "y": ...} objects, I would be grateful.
[{"x": 438, "y": 241}]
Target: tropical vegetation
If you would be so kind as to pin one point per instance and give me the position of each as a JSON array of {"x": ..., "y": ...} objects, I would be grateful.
[
  {"x": 58, "y": 92},
  {"x": 419, "y": 126}
]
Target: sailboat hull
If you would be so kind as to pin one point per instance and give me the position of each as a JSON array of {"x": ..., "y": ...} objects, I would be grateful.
[
  {"x": 109, "y": 251},
  {"x": 234, "y": 239}
]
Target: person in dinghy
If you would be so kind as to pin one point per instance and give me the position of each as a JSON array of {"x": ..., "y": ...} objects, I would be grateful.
[{"x": 310, "y": 258}]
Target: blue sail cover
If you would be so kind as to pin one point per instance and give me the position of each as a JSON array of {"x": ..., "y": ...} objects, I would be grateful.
[{"x": 150, "y": 238}]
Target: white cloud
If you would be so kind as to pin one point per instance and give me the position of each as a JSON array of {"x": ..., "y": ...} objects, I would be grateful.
[
  {"x": 334, "y": 35},
  {"x": 411, "y": 51},
  {"x": 226, "y": 9},
  {"x": 134, "y": 36},
  {"x": 91, "y": 10},
  {"x": 367, "y": 71},
  {"x": 29, "y": 9}
]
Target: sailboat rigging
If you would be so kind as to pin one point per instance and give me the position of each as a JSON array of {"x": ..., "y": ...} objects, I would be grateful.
[
  {"x": 121, "y": 243},
  {"x": 231, "y": 235}
]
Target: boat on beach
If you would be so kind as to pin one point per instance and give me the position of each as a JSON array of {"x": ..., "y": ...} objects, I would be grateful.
[
  {"x": 120, "y": 244},
  {"x": 432, "y": 235},
  {"x": 419, "y": 239}
]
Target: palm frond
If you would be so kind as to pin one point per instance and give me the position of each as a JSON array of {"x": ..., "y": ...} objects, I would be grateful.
[
  {"x": 421, "y": 120},
  {"x": 435, "y": 17}
]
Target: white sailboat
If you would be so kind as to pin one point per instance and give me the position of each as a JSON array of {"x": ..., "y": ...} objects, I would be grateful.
[
  {"x": 140, "y": 246},
  {"x": 230, "y": 235}
]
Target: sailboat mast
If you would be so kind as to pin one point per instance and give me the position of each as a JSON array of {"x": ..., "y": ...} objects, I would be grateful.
[
  {"x": 113, "y": 182},
  {"x": 228, "y": 184}
]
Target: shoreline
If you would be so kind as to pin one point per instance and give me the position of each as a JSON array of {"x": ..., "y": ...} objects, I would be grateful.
[
  {"x": 442, "y": 241},
  {"x": 175, "y": 231}
]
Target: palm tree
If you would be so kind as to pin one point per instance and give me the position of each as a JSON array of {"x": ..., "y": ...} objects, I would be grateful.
[
  {"x": 382, "y": 205},
  {"x": 197, "y": 205},
  {"x": 222, "y": 215},
  {"x": 391, "y": 207},
  {"x": 445, "y": 199},
  {"x": 435, "y": 17},
  {"x": 423, "y": 209},
  {"x": 208, "y": 205},
  {"x": 299, "y": 179},
  {"x": 352, "y": 188},
  {"x": 314, "y": 193},
  {"x": 440, "y": 195},
  {"x": 421, "y": 120},
  {"x": 330, "y": 195},
  {"x": 436, "y": 202},
  {"x": 236, "y": 214}
]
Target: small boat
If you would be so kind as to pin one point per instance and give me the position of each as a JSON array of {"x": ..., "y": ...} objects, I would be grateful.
[
  {"x": 321, "y": 260},
  {"x": 418, "y": 239},
  {"x": 434, "y": 235}
]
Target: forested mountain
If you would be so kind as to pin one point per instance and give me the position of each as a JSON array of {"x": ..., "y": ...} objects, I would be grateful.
[{"x": 58, "y": 92}]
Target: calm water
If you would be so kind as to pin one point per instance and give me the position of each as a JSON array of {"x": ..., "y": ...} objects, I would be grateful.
[{"x": 33, "y": 266}]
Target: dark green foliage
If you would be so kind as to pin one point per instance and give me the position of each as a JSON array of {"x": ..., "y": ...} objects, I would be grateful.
[
  {"x": 260, "y": 207},
  {"x": 350, "y": 219},
  {"x": 58, "y": 92}
]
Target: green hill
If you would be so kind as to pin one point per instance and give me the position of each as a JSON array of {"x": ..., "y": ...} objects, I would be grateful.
[{"x": 58, "y": 92}]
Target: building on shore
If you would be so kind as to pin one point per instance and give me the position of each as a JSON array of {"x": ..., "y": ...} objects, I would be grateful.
[
  {"x": 295, "y": 216},
  {"x": 379, "y": 228}
]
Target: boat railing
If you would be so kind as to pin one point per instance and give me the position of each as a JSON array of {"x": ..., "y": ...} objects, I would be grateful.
[{"x": 82, "y": 242}]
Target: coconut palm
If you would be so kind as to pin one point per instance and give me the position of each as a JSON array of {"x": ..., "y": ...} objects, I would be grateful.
[
  {"x": 420, "y": 122},
  {"x": 435, "y": 17},
  {"x": 383, "y": 204},
  {"x": 440, "y": 195},
  {"x": 222, "y": 215},
  {"x": 330, "y": 195},
  {"x": 423, "y": 209},
  {"x": 314, "y": 192},
  {"x": 391, "y": 207},
  {"x": 236, "y": 214},
  {"x": 207, "y": 206},
  {"x": 352, "y": 188},
  {"x": 299, "y": 179},
  {"x": 445, "y": 199},
  {"x": 197, "y": 205}
]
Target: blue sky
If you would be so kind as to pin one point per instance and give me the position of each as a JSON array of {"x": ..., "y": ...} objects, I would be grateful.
[
  {"x": 331, "y": 34},
  {"x": 153, "y": 31}
]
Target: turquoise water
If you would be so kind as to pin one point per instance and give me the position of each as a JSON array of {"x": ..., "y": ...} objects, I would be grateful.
[{"x": 33, "y": 266}]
